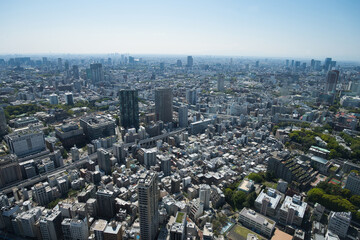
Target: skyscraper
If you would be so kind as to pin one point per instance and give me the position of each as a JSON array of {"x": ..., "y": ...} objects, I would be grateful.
[
  {"x": 104, "y": 160},
  {"x": 129, "y": 108},
  {"x": 331, "y": 81},
  {"x": 327, "y": 64},
  {"x": 220, "y": 83},
  {"x": 191, "y": 96},
  {"x": 204, "y": 195},
  {"x": 106, "y": 203},
  {"x": 97, "y": 74},
  {"x": 75, "y": 71},
  {"x": 69, "y": 98},
  {"x": 183, "y": 116},
  {"x": 3, "y": 126},
  {"x": 60, "y": 64},
  {"x": 164, "y": 104},
  {"x": 190, "y": 61},
  {"x": 148, "y": 205},
  {"x": 178, "y": 63}
]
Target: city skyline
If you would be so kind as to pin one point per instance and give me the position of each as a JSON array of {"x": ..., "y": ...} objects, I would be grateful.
[{"x": 278, "y": 29}]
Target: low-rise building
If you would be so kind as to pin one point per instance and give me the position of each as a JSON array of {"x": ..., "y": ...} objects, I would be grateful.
[
  {"x": 339, "y": 223},
  {"x": 249, "y": 218}
]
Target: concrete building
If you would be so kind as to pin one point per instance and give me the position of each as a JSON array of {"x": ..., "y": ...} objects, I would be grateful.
[
  {"x": 165, "y": 164},
  {"x": 190, "y": 61},
  {"x": 113, "y": 231},
  {"x": 105, "y": 203},
  {"x": 246, "y": 186},
  {"x": 104, "y": 161},
  {"x": 69, "y": 99},
  {"x": 183, "y": 116},
  {"x": 26, "y": 222},
  {"x": 292, "y": 210},
  {"x": 26, "y": 142},
  {"x": 42, "y": 193},
  {"x": 221, "y": 83},
  {"x": 10, "y": 172},
  {"x": 98, "y": 227},
  {"x": 353, "y": 183},
  {"x": 178, "y": 228},
  {"x": 339, "y": 223},
  {"x": 148, "y": 194},
  {"x": 199, "y": 126},
  {"x": 191, "y": 96},
  {"x": 164, "y": 104},
  {"x": 96, "y": 73},
  {"x": 50, "y": 225},
  {"x": 249, "y": 218},
  {"x": 70, "y": 134},
  {"x": 3, "y": 125},
  {"x": 268, "y": 203},
  {"x": 204, "y": 195},
  {"x": 97, "y": 126},
  {"x": 129, "y": 109},
  {"x": 74, "y": 229},
  {"x": 331, "y": 81}
]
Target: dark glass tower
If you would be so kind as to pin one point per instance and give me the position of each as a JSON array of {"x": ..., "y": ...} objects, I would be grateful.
[{"x": 129, "y": 108}]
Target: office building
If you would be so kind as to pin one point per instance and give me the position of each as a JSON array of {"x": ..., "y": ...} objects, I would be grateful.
[
  {"x": 353, "y": 183},
  {"x": 129, "y": 108},
  {"x": 208, "y": 233},
  {"x": 204, "y": 195},
  {"x": 249, "y": 218},
  {"x": 54, "y": 100},
  {"x": 75, "y": 154},
  {"x": 190, "y": 61},
  {"x": 175, "y": 184},
  {"x": 199, "y": 126},
  {"x": 178, "y": 63},
  {"x": 113, "y": 231},
  {"x": 221, "y": 83},
  {"x": 50, "y": 225},
  {"x": 165, "y": 165},
  {"x": 10, "y": 171},
  {"x": 106, "y": 203},
  {"x": 75, "y": 72},
  {"x": 104, "y": 161},
  {"x": 331, "y": 81},
  {"x": 98, "y": 227},
  {"x": 69, "y": 99},
  {"x": 70, "y": 134},
  {"x": 97, "y": 126},
  {"x": 339, "y": 223},
  {"x": 327, "y": 64},
  {"x": 178, "y": 228},
  {"x": 26, "y": 142},
  {"x": 292, "y": 210},
  {"x": 60, "y": 66},
  {"x": 148, "y": 194},
  {"x": 268, "y": 203},
  {"x": 183, "y": 116},
  {"x": 75, "y": 229},
  {"x": 24, "y": 224},
  {"x": 96, "y": 73},
  {"x": 191, "y": 96},
  {"x": 41, "y": 193},
  {"x": 164, "y": 104},
  {"x": 3, "y": 125}
]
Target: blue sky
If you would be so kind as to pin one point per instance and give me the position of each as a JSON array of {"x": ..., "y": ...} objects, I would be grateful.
[{"x": 272, "y": 28}]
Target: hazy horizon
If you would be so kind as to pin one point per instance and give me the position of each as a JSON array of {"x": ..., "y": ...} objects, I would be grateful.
[{"x": 276, "y": 29}]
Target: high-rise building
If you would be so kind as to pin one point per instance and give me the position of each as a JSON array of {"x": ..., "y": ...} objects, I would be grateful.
[
  {"x": 353, "y": 183},
  {"x": 165, "y": 165},
  {"x": 60, "y": 64},
  {"x": 164, "y": 104},
  {"x": 327, "y": 64},
  {"x": 287, "y": 62},
  {"x": 98, "y": 228},
  {"x": 75, "y": 71},
  {"x": 104, "y": 160},
  {"x": 54, "y": 100},
  {"x": 113, "y": 231},
  {"x": 148, "y": 205},
  {"x": 66, "y": 65},
  {"x": 178, "y": 228},
  {"x": 106, "y": 203},
  {"x": 339, "y": 223},
  {"x": 69, "y": 98},
  {"x": 75, "y": 229},
  {"x": 129, "y": 108},
  {"x": 42, "y": 193},
  {"x": 183, "y": 116},
  {"x": 191, "y": 96},
  {"x": 50, "y": 225},
  {"x": 331, "y": 81},
  {"x": 204, "y": 195},
  {"x": 190, "y": 61},
  {"x": 220, "y": 83},
  {"x": 96, "y": 71},
  {"x": 292, "y": 210},
  {"x": 178, "y": 63},
  {"x": 3, "y": 126}
]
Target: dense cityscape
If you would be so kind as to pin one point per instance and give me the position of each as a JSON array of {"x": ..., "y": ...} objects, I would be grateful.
[{"x": 179, "y": 147}]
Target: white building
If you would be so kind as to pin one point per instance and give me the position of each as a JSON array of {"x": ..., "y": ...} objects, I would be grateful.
[
  {"x": 339, "y": 223},
  {"x": 75, "y": 229},
  {"x": 249, "y": 218},
  {"x": 26, "y": 141},
  {"x": 204, "y": 195},
  {"x": 353, "y": 183},
  {"x": 292, "y": 210},
  {"x": 269, "y": 202},
  {"x": 50, "y": 225}
]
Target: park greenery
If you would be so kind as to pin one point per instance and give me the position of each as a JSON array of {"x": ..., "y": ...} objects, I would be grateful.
[
  {"x": 335, "y": 198},
  {"x": 12, "y": 112}
]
